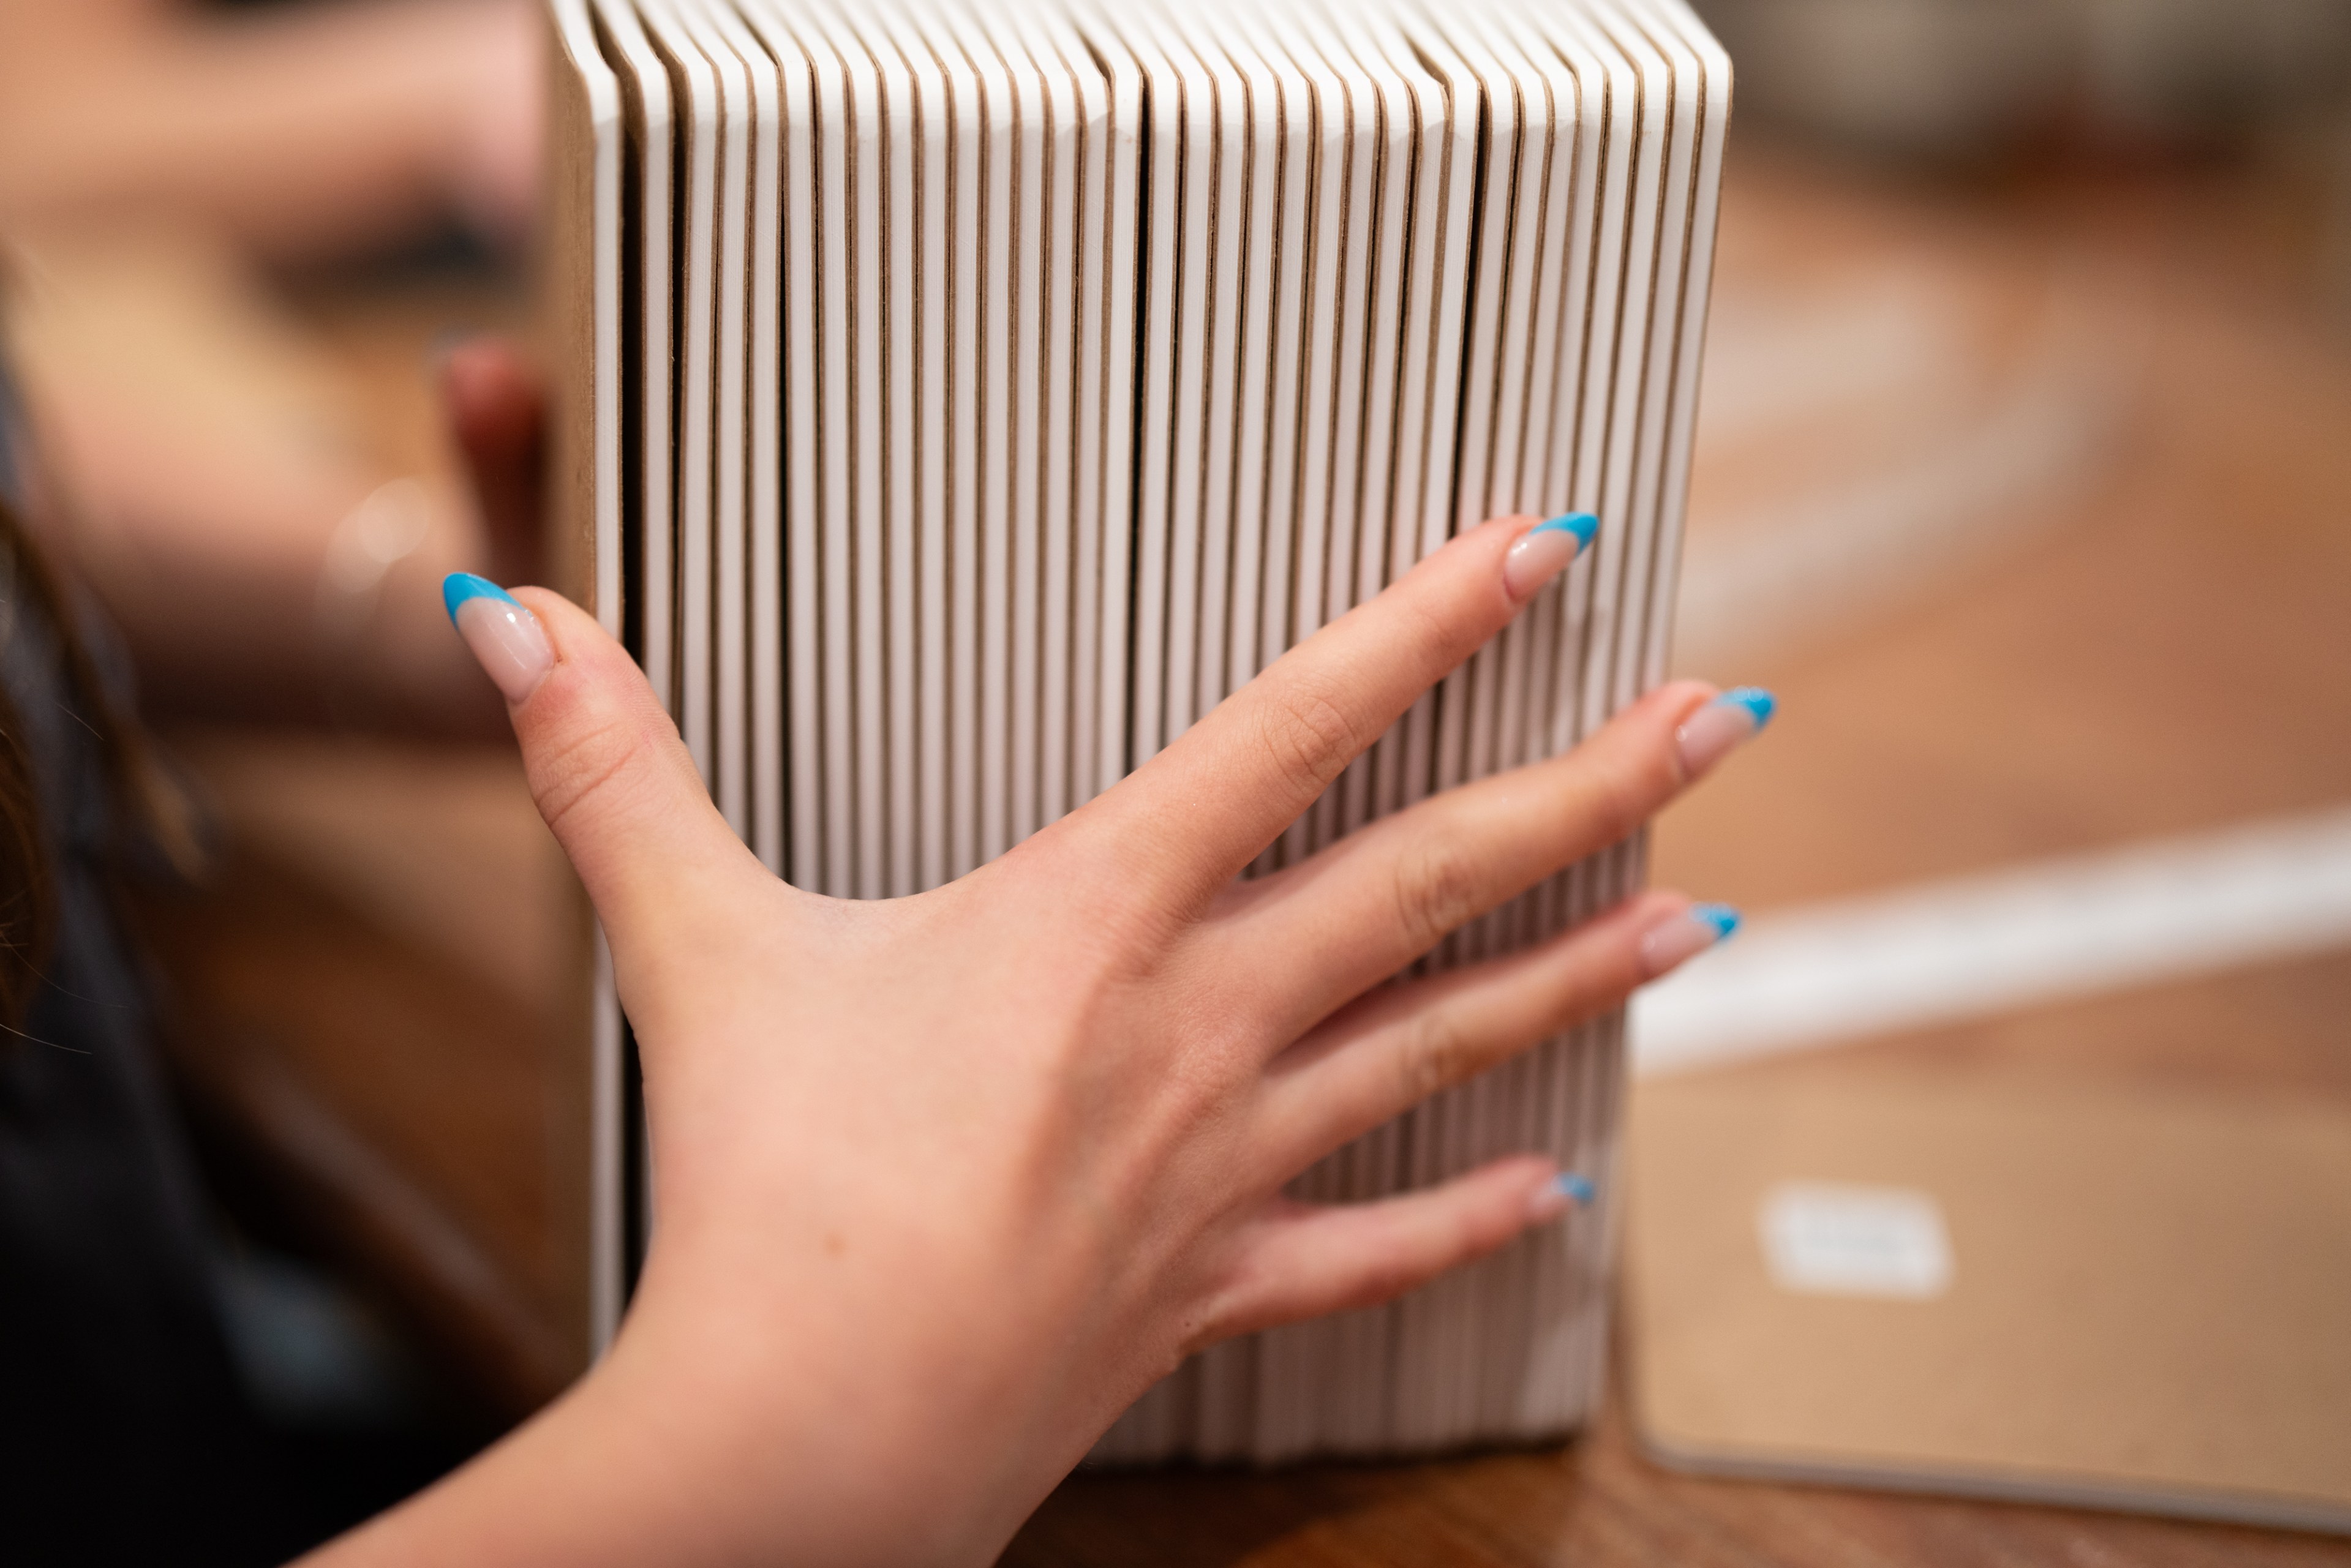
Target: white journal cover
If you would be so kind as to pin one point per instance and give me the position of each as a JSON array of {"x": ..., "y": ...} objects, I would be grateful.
[{"x": 970, "y": 394}]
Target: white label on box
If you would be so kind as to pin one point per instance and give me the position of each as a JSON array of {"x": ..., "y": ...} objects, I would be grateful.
[{"x": 1828, "y": 1238}]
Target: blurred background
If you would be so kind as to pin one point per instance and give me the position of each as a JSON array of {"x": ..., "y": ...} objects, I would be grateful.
[{"x": 2023, "y": 480}]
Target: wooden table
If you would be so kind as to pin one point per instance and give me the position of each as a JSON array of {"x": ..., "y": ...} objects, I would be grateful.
[
  {"x": 1596, "y": 1502},
  {"x": 2148, "y": 632}
]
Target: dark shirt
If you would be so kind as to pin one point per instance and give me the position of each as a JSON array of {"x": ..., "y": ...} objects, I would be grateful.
[{"x": 123, "y": 1434}]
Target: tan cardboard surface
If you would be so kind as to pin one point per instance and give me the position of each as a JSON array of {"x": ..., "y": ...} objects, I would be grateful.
[{"x": 2149, "y": 1303}]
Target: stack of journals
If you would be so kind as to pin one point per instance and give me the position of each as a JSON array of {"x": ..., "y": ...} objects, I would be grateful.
[{"x": 963, "y": 397}]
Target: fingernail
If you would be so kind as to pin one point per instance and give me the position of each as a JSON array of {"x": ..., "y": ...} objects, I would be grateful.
[
  {"x": 505, "y": 636},
  {"x": 1564, "y": 1191},
  {"x": 1712, "y": 733},
  {"x": 1544, "y": 550},
  {"x": 1685, "y": 933}
]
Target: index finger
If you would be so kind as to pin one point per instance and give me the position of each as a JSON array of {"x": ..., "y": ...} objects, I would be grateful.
[{"x": 1198, "y": 812}]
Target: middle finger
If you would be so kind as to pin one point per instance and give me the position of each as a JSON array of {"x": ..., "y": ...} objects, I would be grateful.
[{"x": 1320, "y": 934}]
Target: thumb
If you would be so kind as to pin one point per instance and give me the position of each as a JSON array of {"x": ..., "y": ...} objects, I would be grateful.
[{"x": 605, "y": 764}]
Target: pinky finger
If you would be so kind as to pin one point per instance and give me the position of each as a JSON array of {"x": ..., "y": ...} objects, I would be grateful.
[{"x": 1303, "y": 1260}]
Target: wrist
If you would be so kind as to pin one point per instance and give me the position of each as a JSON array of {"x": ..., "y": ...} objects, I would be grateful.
[
  {"x": 694, "y": 1444},
  {"x": 804, "y": 1432}
]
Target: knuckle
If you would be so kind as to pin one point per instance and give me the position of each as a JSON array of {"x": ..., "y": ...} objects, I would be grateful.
[
  {"x": 1459, "y": 1237},
  {"x": 1308, "y": 737},
  {"x": 1437, "y": 1056},
  {"x": 585, "y": 767},
  {"x": 1384, "y": 1280},
  {"x": 1437, "y": 888},
  {"x": 1627, "y": 790},
  {"x": 1248, "y": 1293},
  {"x": 1434, "y": 640},
  {"x": 1475, "y": 1236}
]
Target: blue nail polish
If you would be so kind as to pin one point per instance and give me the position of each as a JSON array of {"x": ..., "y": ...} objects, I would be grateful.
[
  {"x": 1579, "y": 1189},
  {"x": 1721, "y": 916},
  {"x": 459, "y": 586},
  {"x": 1582, "y": 525},
  {"x": 1754, "y": 700}
]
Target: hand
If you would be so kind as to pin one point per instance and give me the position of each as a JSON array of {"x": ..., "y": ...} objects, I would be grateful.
[
  {"x": 255, "y": 571},
  {"x": 307, "y": 134},
  {"x": 944, "y": 1183}
]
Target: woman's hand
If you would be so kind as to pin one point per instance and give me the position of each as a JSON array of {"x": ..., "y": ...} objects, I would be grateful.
[
  {"x": 944, "y": 1183},
  {"x": 257, "y": 568}
]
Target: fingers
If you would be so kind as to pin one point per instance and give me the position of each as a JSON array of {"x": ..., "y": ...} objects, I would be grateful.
[
  {"x": 497, "y": 415},
  {"x": 1375, "y": 901},
  {"x": 1203, "y": 808},
  {"x": 1304, "y": 1260},
  {"x": 605, "y": 763},
  {"x": 1404, "y": 1043}
]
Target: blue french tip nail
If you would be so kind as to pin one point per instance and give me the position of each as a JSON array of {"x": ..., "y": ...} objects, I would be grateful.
[
  {"x": 1582, "y": 525},
  {"x": 1721, "y": 916},
  {"x": 459, "y": 586},
  {"x": 1754, "y": 700},
  {"x": 1569, "y": 1184}
]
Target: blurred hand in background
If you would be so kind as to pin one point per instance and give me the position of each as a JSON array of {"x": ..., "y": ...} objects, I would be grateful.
[
  {"x": 252, "y": 481},
  {"x": 306, "y": 132}
]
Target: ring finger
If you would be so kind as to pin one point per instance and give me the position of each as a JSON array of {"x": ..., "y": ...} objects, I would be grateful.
[
  {"x": 1399, "y": 1045},
  {"x": 1364, "y": 908}
]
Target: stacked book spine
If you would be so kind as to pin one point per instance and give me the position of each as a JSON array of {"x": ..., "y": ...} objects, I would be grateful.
[{"x": 964, "y": 398}]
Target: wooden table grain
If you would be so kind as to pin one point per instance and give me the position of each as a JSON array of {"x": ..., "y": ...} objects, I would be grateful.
[{"x": 1595, "y": 1503}]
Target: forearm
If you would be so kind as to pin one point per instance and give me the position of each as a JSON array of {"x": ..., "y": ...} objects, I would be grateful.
[{"x": 686, "y": 1453}]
